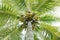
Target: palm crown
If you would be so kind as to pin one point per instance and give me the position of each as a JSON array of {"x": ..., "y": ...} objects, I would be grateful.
[{"x": 32, "y": 14}]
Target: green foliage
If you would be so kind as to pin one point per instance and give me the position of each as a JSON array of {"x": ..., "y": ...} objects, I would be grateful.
[{"x": 10, "y": 15}]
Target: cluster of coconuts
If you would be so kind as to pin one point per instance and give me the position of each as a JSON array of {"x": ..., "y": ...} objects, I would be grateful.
[{"x": 29, "y": 17}]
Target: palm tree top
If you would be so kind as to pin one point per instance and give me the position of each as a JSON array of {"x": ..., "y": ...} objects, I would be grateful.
[{"x": 13, "y": 12}]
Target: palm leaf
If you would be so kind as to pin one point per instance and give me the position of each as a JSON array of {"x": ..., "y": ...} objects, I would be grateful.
[
  {"x": 8, "y": 26},
  {"x": 36, "y": 37},
  {"x": 47, "y": 17},
  {"x": 9, "y": 8},
  {"x": 48, "y": 32},
  {"x": 42, "y": 6}
]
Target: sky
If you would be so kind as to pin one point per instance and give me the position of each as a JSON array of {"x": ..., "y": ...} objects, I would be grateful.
[{"x": 57, "y": 14}]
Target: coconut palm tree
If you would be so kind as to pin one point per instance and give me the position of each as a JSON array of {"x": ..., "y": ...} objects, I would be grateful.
[{"x": 28, "y": 20}]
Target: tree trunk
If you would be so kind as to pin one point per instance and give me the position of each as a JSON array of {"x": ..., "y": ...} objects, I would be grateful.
[{"x": 29, "y": 33}]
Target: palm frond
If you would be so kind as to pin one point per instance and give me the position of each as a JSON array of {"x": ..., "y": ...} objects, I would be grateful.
[
  {"x": 48, "y": 5},
  {"x": 7, "y": 6},
  {"x": 48, "y": 32},
  {"x": 36, "y": 37},
  {"x": 47, "y": 17},
  {"x": 20, "y": 4},
  {"x": 16, "y": 35},
  {"x": 43, "y": 6},
  {"x": 8, "y": 26}
]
